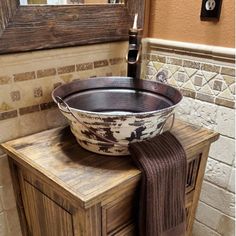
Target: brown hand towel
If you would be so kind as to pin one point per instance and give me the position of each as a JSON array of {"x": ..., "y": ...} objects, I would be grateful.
[{"x": 163, "y": 163}]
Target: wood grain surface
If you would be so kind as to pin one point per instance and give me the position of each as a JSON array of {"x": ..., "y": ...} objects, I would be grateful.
[
  {"x": 90, "y": 194},
  {"x": 27, "y": 28},
  {"x": 87, "y": 176}
]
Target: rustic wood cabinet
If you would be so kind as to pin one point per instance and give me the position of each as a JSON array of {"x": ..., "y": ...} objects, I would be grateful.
[{"x": 62, "y": 189}]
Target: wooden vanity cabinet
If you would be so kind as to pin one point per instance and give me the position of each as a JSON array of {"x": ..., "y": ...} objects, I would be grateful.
[{"x": 64, "y": 190}]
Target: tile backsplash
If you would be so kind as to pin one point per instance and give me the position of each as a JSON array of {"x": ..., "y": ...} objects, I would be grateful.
[
  {"x": 206, "y": 77},
  {"x": 27, "y": 80},
  {"x": 26, "y": 106},
  {"x": 197, "y": 76}
]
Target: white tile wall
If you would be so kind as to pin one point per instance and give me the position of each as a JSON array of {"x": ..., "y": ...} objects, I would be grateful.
[
  {"x": 200, "y": 229},
  {"x": 179, "y": 60},
  {"x": 217, "y": 173},
  {"x": 216, "y": 210},
  {"x": 223, "y": 150}
]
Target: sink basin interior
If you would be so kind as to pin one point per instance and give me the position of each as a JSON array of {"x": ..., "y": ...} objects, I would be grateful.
[
  {"x": 118, "y": 95},
  {"x": 117, "y": 101}
]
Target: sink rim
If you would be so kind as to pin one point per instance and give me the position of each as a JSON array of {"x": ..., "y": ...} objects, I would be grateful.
[{"x": 118, "y": 80}]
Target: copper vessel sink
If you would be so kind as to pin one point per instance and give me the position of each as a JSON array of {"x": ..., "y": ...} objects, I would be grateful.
[{"x": 107, "y": 113}]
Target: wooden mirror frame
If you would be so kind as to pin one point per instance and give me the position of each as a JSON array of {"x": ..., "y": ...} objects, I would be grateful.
[{"x": 27, "y": 28}]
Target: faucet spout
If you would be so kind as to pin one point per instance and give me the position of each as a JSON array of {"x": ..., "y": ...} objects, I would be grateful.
[{"x": 133, "y": 58}]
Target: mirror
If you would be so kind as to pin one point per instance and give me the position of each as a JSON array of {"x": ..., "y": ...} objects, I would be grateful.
[
  {"x": 68, "y": 2},
  {"x": 35, "y": 27}
]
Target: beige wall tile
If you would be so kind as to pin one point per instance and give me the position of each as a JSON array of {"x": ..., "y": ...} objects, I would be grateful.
[
  {"x": 13, "y": 222},
  {"x": 3, "y": 225},
  {"x": 208, "y": 215},
  {"x": 226, "y": 226},
  {"x": 226, "y": 121},
  {"x": 9, "y": 129},
  {"x": 1, "y": 206},
  {"x": 200, "y": 229},
  {"x": 54, "y": 118},
  {"x": 7, "y": 197},
  {"x": 218, "y": 198},
  {"x": 223, "y": 150},
  {"x": 5, "y": 176},
  {"x": 32, "y": 123},
  {"x": 231, "y": 183},
  {"x": 217, "y": 172}
]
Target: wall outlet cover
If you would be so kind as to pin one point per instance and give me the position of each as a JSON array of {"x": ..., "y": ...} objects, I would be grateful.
[{"x": 211, "y": 10}]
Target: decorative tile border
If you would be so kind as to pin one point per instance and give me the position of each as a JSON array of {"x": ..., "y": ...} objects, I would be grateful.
[
  {"x": 101, "y": 63},
  {"x": 84, "y": 66},
  {"x": 8, "y": 115},
  {"x": 46, "y": 72},
  {"x": 66, "y": 69},
  {"x": 24, "y": 76},
  {"x": 203, "y": 76},
  {"x": 190, "y": 49},
  {"x": 41, "y": 100}
]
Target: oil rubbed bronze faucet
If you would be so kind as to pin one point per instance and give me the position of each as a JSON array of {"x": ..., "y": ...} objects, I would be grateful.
[{"x": 133, "y": 57}]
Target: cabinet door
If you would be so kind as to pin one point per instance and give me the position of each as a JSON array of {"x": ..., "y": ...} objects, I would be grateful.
[{"x": 45, "y": 217}]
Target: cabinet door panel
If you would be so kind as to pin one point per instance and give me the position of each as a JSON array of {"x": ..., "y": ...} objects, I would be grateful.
[
  {"x": 127, "y": 231},
  {"x": 45, "y": 217}
]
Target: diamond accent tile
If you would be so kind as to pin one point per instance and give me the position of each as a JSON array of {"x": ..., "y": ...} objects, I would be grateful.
[
  {"x": 209, "y": 75},
  {"x": 226, "y": 94},
  {"x": 232, "y": 88},
  {"x": 190, "y": 71},
  {"x": 180, "y": 77},
  {"x": 224, "y": 85},
  {"x": 228, "y": 79},
  {"x": 149, "y": 63},
  {"x": 217, "y": 85},
  {"x": 172, "y": 81},
  {"x": 38, "y": 92},
  {"x": 171, "y": 68},
  {"x": 158, "y": 65},
  {"x": 189, "y": 85},
  {"x": 206, "y": 89},
  {"x": 151, "y": 70},
  {"x": 15, "y": 96},
  {"x": 198, "y": 80}
]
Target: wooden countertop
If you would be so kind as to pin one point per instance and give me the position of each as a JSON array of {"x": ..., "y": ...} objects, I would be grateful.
[{"x": 85, "y": 175}]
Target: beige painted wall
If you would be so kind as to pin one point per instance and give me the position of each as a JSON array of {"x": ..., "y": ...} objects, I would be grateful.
[{"x": 180, "y": 21}]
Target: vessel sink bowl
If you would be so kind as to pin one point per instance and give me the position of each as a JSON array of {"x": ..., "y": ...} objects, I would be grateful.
[{"x": 108, "y": 113}]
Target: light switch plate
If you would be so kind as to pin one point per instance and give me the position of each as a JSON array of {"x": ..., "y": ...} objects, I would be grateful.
[{"x": 211, "y": 10}]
